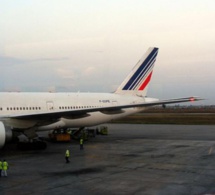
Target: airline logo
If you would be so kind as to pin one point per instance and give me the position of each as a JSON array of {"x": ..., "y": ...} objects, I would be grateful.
[{"x": 142, "y": 76}]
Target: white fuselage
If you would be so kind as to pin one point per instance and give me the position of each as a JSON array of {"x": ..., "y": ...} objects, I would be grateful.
[{"x": 18, "y": 104}]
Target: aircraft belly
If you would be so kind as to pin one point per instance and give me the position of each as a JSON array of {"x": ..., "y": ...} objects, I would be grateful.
[
  {"x": 57, "y": 125},
  {"x": 20, "y": 124},
  {"x": 92, "y": 120},
  {"x": 97, "y": 118}
]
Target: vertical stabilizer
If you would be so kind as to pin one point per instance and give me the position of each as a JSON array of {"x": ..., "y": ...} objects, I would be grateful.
[{"x": 137, "y": 81}]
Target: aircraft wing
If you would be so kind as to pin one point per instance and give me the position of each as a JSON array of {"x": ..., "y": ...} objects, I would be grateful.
[
  {"x": 81, "y": 113},
  {"x": 171, "y": 101}
]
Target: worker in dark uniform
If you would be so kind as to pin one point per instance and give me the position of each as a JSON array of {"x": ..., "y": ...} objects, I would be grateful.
[
  {"x": 67, "y": 154},
  {"x": 81, "y": 143}
]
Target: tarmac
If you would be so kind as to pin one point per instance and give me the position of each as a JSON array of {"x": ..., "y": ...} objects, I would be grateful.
[{"x": 132, "y": 159}]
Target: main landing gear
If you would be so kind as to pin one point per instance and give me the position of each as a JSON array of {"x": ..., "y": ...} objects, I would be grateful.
[{"x": 29, "y": 140}]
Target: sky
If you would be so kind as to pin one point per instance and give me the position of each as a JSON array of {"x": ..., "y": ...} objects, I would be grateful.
[{"x": 91, "y": 46}]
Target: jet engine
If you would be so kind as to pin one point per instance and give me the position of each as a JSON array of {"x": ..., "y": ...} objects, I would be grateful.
[{"x": 5, "y": 134}]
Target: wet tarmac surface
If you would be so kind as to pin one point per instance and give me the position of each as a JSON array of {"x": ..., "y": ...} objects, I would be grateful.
[{"x": 132, "y": 159}]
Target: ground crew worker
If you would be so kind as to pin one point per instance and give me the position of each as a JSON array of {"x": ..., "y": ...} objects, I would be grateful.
[
  {"x": 4, "y": 169},
  {"x": 0, "y": 167},
  {"x": 81, "y": 144},
  {"x": 67, "y": 156}
]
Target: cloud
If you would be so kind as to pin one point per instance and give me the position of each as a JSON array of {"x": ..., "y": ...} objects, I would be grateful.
[
  {"x": 10, "y": 61},
  {"x": 89, "y": 71},
  {"x": 65, "y": 73},
  {"x": 50, "y": 59}
]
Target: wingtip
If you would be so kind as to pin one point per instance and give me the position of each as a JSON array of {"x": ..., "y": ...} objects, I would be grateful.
[{"x": 195, "y": 98}]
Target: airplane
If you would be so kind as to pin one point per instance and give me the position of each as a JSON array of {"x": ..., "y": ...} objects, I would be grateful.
[{"x": 29, "y": 112}]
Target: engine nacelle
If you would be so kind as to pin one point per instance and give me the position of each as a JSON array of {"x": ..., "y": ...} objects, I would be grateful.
[{"x": 5, "y": 134}]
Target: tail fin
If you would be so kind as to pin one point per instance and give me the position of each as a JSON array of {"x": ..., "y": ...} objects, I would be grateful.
[{"x": 137, "y": 81}]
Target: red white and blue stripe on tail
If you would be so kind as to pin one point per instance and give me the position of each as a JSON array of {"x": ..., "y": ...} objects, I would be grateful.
[{"x": 138, "y": 79}]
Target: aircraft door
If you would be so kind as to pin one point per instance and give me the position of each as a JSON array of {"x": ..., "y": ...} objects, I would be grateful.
[{"x": 50, "y": 105}]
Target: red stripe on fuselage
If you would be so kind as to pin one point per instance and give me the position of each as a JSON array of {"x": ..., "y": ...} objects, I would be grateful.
[{"x": 145, "y": 83}]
